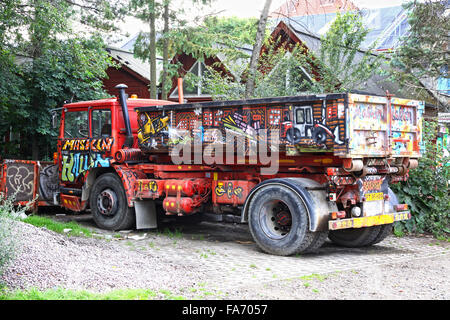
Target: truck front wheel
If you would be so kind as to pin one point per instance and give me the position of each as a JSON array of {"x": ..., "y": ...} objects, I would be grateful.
[
  {"x": 278, "y": 221},
  {"x": 109, "y": 204}
]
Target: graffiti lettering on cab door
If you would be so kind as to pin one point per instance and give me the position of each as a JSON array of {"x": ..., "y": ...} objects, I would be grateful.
[{"x": 75, "y": 165}]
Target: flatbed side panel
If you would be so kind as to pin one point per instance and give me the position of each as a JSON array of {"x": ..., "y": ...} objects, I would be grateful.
[{"x": 302, "y": 124}]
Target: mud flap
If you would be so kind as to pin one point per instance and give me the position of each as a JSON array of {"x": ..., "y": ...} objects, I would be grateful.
[{"x": 145, "y": 214}]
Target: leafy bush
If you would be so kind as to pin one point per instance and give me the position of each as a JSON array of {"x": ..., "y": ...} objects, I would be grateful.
[{"x": 427, "y": 190}]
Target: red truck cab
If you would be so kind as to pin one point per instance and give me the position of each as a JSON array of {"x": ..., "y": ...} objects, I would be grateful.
[{"x": 91, "y": 134}]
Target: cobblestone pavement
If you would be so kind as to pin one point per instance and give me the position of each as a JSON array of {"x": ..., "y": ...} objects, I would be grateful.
[{"x": 229, "y": 256}]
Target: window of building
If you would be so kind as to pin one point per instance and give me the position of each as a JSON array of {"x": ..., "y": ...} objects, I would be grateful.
[{"x": 192, "y": 82}]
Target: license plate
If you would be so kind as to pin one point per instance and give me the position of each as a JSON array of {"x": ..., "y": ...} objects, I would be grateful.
[
  {"x": 368, "y": 221},
  {"x": 374, "y": 196}
]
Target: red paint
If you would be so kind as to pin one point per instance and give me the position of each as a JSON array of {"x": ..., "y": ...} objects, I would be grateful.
[{"x": 180, "y": 206}]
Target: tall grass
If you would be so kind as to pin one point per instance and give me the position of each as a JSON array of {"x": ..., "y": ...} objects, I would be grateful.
[
  {"x": 64, "y": 294},
  {"x": 9, "y": 233}
]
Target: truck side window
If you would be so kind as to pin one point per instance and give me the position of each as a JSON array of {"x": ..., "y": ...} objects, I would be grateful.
[
  {"x": 76, "y": 124},
  {"x": 101, "y": 123}
]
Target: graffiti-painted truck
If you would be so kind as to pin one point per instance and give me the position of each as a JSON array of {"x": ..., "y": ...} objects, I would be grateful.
[{"x": 297, "y": 169}]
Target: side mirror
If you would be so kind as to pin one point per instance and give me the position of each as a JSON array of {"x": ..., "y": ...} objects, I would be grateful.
[{"x": 55, "y": 123}]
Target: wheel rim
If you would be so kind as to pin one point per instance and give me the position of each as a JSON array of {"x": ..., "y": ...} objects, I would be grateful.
[
  {"x": 107, "y": 202},
  {"x": 275, "y": 219}
]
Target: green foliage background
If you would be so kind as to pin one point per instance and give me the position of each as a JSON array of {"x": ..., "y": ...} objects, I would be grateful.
[
  {"x": 44, "y": 63},
  {"x": 294, "y": 70},
  {"x": 427, "y": 190}
]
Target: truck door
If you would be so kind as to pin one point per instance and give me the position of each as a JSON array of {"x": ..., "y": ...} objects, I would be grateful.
[
  {"x": 101, "y": 137},
  {"x": 74, "y": 147}
]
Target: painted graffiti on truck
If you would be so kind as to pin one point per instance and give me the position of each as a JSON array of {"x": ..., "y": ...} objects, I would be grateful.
[
  {"x": 81, "y": 155},
  {"x": 95, "y": 145},
  {"x": 316, "y": 127},
  {"x": 75, "y": 165},
  {"x": 151, "y": 128},
  {"x": 228, "y": 189}
]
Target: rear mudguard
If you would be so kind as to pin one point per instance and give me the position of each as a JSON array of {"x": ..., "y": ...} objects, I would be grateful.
[
  {"x": 129, "y": 177},
  {"x": 313, "y": 195}
]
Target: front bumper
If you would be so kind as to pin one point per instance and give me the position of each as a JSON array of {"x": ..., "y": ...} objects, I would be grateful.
[{"x": 368, "y": 221}]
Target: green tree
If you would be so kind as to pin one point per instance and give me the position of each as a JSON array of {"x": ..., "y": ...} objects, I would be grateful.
[
  {"x": 423, "y": 54},
  {"x": 259, "y": 40},
  {"x": 339, "y": 65},
  {"x": 47, "y": 65},
  {"x": 179, "y": 34},
  {"x": 153, "y": 12}
]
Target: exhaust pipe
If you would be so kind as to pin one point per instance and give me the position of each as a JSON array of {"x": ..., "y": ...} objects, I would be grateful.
[
  {"x": 180, "y": 91},
  {"x": 126, "y": 118}
]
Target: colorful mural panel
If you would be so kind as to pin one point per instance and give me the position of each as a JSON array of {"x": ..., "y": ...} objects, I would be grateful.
[{"x": 313, "y": 127}]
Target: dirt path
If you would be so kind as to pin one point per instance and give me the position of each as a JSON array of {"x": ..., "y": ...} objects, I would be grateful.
[{"x": 216, "y": 260}]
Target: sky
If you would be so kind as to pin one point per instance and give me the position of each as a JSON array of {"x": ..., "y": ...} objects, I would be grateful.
[
  {"x": 253, "y": 8},
  {"x": 247, "y": 8}
]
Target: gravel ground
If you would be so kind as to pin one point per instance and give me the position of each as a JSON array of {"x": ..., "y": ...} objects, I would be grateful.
[{"x": 50, "y": 260}]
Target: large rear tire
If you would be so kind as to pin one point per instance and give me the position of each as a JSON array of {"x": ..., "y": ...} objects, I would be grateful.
[
  {"x": 354, "y": 238},
  {"x": 109, "y": 205},
  {"x": 386, "y": 229},
  {"x": 279, "y": 223}
]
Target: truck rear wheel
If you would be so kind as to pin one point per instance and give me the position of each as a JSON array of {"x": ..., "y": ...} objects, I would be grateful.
[
  {"x": 279, "y": 223},
  {"x": 109, "y": 204}
]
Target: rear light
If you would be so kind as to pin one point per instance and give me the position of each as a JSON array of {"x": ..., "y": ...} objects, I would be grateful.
[
  {"x": 331, "y": 171},
  {"x": 401, "y": 207},
  {"x": 337, "y": 215}
]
